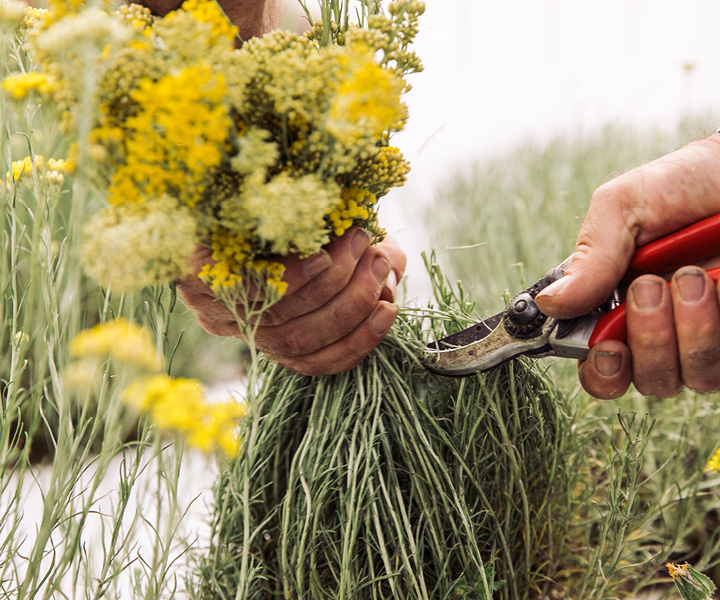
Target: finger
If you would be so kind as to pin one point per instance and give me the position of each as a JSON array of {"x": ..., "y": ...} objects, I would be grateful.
[
  {"x": 605, "y": 245},
  {"x": 335, "y": 319},
  {"x": 300, "y": 271},
  {"x": 345, "y": 253},
  {"x": 395, "y": 255},
  {"x": 212, "y": 314},
  {"x": 191, "y": 284},
  {"x": 651, "y": 337},
  {"x": 350, "y": 350},
  {"x": 607, "y": 372},
  {"x": 697, "y": 325}
]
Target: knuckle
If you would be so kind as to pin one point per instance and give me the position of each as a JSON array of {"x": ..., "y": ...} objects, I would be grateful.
[
  {"x": 701, "y": 369},
  {"x": 273, "y": 316},
  {"x": 658, "y": 387},
  {"x": 659, "y": 378},
  {"x": 295, "y": 342},
  {"x": 308, "y": 370},
  {"x": 357, "y": 306},
  {"x": 658, "y": 340},
  {"x": 703, "y": 360},
  {"x": 210, "y": 325}
]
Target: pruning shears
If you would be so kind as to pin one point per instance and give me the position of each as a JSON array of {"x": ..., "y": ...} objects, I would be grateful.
[{"x": 522, "y": 329}]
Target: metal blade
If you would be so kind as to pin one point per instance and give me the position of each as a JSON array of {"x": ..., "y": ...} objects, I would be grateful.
[
  {"x": 447, "y": 357},
  {"x": 520, "y": 329},
  {"x": 468, "y": 336}
]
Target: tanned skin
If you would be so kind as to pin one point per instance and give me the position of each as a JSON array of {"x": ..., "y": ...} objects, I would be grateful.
[{"x": 252, "y": 17}]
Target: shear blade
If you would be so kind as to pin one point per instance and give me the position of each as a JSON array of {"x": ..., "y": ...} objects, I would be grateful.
[
  {"x": 477, "y": 348},
  {"x": 468, "y": 336},
  {"x": 482, "y": 347}
]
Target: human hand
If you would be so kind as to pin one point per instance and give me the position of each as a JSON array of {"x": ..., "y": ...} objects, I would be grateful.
[
  {"x": 338, "y": 306},
  {"x": 251, "y": 17},
  {"x": 673, "y": 331}
]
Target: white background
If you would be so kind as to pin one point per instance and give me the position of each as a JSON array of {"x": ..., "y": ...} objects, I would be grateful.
[{"x": 499, "y": 73}]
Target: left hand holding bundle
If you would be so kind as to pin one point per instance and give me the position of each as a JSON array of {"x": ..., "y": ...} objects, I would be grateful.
[{"x": 338, "y": 307}]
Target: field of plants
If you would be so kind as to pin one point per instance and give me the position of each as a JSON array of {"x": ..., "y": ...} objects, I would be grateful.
[{"x": 384, "y": 482}]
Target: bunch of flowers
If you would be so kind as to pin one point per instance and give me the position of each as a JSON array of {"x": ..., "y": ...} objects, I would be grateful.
[
  {"x": 271, "y": 149},
  {"x": 174, "y": 405}
]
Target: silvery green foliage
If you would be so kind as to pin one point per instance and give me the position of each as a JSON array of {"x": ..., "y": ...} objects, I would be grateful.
[{"x": 691, "y": 584}]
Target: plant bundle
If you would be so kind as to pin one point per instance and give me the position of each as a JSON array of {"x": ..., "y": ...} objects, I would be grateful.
[
  {"x": 391, "y": 482},
  {"x": 271, "y": 149}
]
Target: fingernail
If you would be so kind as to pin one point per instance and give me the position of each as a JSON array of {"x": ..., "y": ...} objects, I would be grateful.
[
  {"x": 690, "y": 284},
  {"x": 381, "y": 269},
  {"x": 359, "y": 243},
  {"x": 382, "y": 318},
  {"x": 554, "y": 288},
  {"x": 607, "y": 363},
  {"x": 388, "y": 291},
  {"x": 316, "y": 265},
  {"x": 647, "y": 294}
]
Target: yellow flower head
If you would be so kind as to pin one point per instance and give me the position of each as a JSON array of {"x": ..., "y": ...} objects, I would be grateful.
[
  {"x": 208, "y": 11},
  {"x": 367, "y": 102},
  {"x": 676, "y": 571},
  {"x": 125, "y": 342},
  {"x": 52, "y": 172},
  {"x": 179, "y": 406},
  {"x": 354, "y": 207},
  {"x": 73, "y": 29},
  {"x": 128, "y": 247},
  {"x": 20, "y": 86},
  {"x": 713, "y": 464},
  {"x": 175, "y": 139}
]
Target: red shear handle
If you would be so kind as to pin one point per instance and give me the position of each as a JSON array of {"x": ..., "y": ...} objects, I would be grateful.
[
  {"x": 685, "y": 247},
  {"x": 612, "y": 325}
]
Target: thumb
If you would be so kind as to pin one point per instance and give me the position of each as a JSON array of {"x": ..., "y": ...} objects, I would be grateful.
[
  {"x": 604, "y": 248},
  {"x": 629, "y": 211}
]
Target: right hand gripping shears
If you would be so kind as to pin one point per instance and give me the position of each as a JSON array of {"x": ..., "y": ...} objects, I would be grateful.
[{"x": 522, "y": 329}]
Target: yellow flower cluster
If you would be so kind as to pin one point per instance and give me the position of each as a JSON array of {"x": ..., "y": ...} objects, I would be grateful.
[
  {"x": 52, "y": 172},
  {"x": 355, "y": 203},
  {"x": 367, "y": 101},
  {"x": 176, "y": 138},
  {"x": 20, "y": 86},
  {"x": 16, "y": 16},
  {"x": 59, "y": 9},
  {"x": 714, "y": 463},
  {"x": 231, "y": 256},
  {"x": 267, "y": 150},
  {"x": 676, "y": 571},
  {"x": 174, "y": 405},
  {"x": 179, "y": 405},
  {"x": 210, "y": 13},
  {"x": 120, "y": 340},
  {"x": 33, "y": 15},
  {"x": 129, "y": 246},
  {"x": 138, "y": 16}
]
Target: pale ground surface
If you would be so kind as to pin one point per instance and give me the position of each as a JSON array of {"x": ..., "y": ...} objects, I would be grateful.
[
  {"x": 198, "y": 475},
  {"x": 501, "y": 73}
]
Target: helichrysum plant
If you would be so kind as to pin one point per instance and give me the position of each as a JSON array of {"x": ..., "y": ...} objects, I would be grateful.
[
  {"x": 389, "y": 482},
  {"x": 691, "y": 584},
  {"x": 271, "y": 149}
]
